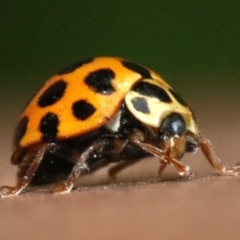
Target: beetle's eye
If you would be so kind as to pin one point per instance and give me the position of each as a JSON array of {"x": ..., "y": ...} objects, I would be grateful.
[{"x": 173, "y": 124}]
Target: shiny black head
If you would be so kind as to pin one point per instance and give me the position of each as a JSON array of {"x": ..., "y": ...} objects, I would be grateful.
[{"x": 173, "y": 124}]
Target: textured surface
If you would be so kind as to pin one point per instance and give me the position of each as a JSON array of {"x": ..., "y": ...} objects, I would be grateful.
[{"x": 207, "y": 208}]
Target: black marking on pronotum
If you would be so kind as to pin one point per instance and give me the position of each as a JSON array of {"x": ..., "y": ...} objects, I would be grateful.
[
  {"x": 82, "y": 109},
  {"x": 20, "y": 130},
  {"x": 74, "y": 66},
  {"x": 144, "y": 72},
  {"x": 49, "y": 127},
  {"x": 100, "y": 81},
  {"x": 52, "y": 94},
  {"x": 177, "y": 97},
  {"x": 140, "y": 104},
  {"x": 152, "y": 90}
]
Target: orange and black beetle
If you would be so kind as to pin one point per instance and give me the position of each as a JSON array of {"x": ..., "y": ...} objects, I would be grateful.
[{"x": 99, "y": 111}]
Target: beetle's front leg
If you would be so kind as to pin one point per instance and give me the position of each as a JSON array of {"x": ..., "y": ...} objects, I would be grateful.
[
  {"x": 168, "y": 154},
  {"x": 215, "y": 161}
]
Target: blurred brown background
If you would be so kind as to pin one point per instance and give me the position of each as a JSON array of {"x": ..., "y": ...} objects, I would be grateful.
[{"x": 193, "y": 45}]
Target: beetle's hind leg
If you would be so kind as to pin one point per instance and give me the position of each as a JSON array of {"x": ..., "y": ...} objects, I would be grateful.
[{"x": 34, "y": 156}]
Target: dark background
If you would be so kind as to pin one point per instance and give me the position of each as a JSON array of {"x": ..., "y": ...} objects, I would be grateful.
[
  {"x": 194, "y": 45},
  {"x": 187, "y": 38}
]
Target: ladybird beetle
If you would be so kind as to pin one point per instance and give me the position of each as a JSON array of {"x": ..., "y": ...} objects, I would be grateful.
[{"x": 100, "y": 111}]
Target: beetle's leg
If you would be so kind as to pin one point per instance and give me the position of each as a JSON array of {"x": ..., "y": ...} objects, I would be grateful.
[
  {"x": 163, "y": 165},
  {"x": 170, "y": 156},
  {"x": 35, "y": 154},
  {"x": 113, "y": 171},
  {"x": 214, "y": 160},
  {"x": 80, "y": 166},
  {"x": 119, "y": 145},
  {"x": 182, "y": 169}
]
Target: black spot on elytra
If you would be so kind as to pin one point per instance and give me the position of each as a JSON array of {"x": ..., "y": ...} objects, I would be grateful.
[
  {"x": 82, "y": 109},
  {"x": 52, "y": 94},
  {"x": 100, "y": 81},
  {"x": 49, "y": 127},
  {"x": 152, "y": 90},
  {"x": 177, "y": 97},
  {"x": 74, "y": 66},
  {"x": 20, "y": 130},
  {"x": 144, "y": 72},
  {"x": 140, "y": 104}
]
